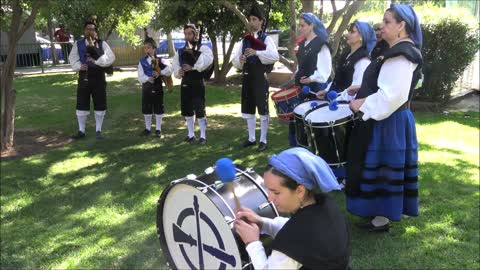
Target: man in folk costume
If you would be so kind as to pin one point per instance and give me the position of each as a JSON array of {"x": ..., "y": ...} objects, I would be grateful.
[
  {"x": 150, "y": 70},
  {"x": 256, "y": 55},
  {"x": 189, "y": 63},
  {"x": 90, "y": 57}
]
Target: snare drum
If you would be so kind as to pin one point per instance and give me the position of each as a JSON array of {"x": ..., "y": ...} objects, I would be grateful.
[
  {"x": 285, "y": 100},
  {"x": 299, "y": 112},
  {"x": 329, "y": 132},
  {"x": 195, "y": 217}
]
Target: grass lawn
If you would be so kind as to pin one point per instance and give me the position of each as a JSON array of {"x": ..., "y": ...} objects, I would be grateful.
[{"x": 92, "y": 204}]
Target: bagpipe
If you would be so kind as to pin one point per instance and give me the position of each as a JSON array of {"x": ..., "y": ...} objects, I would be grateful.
[
  {"x": 258, "y": 44},
  {"x": 190, "y": 54},
  {"x": 157, "y": 66},
  {"x": 94, "y": 50}
]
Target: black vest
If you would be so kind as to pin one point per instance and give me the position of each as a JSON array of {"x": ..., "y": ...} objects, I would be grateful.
[
  {"x": 379, "y": 49},
  {"x": 317, "y": 236},
  {"x": 362, "y": 132},
  {"x": 307, "y": 60},
  {"x": 346, "y": 69},
  {"x": 190, "y": 57}
]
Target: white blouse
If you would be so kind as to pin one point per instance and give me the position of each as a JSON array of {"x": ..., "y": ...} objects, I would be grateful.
[
  {"x": 394, "y": 83},
  {"x": 359, "y": 68},
  {"x": 277, "y": 259}
]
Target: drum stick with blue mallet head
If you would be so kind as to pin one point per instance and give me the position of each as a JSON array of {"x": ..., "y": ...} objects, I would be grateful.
[
  {"x": 287, "y": 83},
  {"x": 332, "y": 97},
  {"x": 306, "y": 90},
  {"x": 225, "y": 170}
]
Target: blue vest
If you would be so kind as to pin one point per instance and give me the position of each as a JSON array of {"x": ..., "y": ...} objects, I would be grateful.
[
  {"x": 246, "y": 44},
  {"x": 82, "y": 49},
  {"x": 147, "y": 68}
]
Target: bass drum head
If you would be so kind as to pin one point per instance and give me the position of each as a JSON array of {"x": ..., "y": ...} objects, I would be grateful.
[
  {"x": 325, "y": 115},
  {"x": 303, "y": 108},
  {"x": 193, "y": 232}
]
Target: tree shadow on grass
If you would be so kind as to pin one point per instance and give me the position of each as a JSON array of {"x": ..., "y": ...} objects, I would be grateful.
[
  {"x": 444, "y": 235},
  {"x": 102, "y": 202}
]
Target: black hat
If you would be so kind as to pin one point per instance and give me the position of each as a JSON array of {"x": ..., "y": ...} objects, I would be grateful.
[
  {"x": 256, "y": 11},
  {"x": 151, "y": 41}
]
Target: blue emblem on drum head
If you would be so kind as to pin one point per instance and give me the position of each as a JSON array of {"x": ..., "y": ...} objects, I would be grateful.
[{"x": 182, "y": 238}]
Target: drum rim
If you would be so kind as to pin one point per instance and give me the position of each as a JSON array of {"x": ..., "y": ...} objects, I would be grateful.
[
  {"x": 310, "y": 102},
  {"x": 161, "y": 203},
  {"x": 335, "y": 123},
  {"x": 244, "y": 172},
  {"x": 285, "y": 115},
  {"x": 288, "y": 96}
]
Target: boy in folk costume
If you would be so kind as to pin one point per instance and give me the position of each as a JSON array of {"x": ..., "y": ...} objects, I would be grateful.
[{"x": 150, "y": 70}]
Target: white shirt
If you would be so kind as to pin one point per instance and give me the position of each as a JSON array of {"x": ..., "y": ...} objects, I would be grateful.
[
  {"x": 359, "y": 69},
  {"x": 394, "y": 83},
  {"x": 167, "y": 71},
  {"x": 104, "y": 61},
  {"x": 267, "y": 56},
  {"x": 277, "y": 259},
  {"x": 203, "y": 62}
]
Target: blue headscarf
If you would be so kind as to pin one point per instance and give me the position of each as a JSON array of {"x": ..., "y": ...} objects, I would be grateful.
[
  {"x": 369, "y": 39},
  {"x": 305, "y": 168},
  {"x": 318, "y": 27},
  {"x": 408, "y": 14}
]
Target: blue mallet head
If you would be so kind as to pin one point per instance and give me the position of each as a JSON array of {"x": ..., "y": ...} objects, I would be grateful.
[
  {"x": 225, "y": 170},
  {"x": 306, "y": 89},
  {"x": 332, "y": 95},
  {"x": 333, "y": 106},
  {"x": 313, "y": 104}
]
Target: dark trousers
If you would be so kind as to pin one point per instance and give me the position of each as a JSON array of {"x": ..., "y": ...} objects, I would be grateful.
[
  {"x": 192, "y": 95},
  {"x": 152, "y": 97},
  {"x": 94, "y": 87},
  {"x": 255, "y": 89}
]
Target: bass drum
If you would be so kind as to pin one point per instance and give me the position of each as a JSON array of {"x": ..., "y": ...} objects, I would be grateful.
[{"x": 195, "y": 217}]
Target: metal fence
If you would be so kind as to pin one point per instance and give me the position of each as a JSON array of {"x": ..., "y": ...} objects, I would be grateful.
[{"x": 45, "y": 55}]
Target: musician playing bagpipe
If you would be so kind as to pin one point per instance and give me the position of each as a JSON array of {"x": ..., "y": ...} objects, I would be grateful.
[
  {"x": 189, "y": 63},
  {"x": 92, "y": 57},
  {"x": 256, "y": 55},
  {"x": 150, "y": 70}
]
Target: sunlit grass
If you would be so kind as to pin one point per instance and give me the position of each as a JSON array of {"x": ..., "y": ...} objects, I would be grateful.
[{"x": 92, "y": 204}]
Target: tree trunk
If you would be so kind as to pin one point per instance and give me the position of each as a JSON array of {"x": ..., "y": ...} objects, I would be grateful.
[
  {"x": 8, "y": 94},
  {"x": 307, "y": 5},
  {"x": 171, "y": 48},
  {"x": 51, "y": 30},
  {"x": 16, "y": 30},
  {"x": 291, "y": 65},
  {"x": 352, "y": 9},
  {"x": 235, "y": 10}
]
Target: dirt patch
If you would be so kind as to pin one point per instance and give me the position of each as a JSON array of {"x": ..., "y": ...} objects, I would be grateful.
[{"x": 30, "y": 142}]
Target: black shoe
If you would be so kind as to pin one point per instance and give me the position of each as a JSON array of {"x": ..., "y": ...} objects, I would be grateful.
[
  {"x": 99, "y": 135},
  {"x": 158, "y": 133},
  {"x": 248, "y": 143},
  {"x": 262, "y": 147},
  {"x": 189, "y": 139},
  {"x": 79, "y": 135},
  {"x": 202, "y": 141},
  {"x": 145, "y": 132},
  {"x": 369, "y": 227}
]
